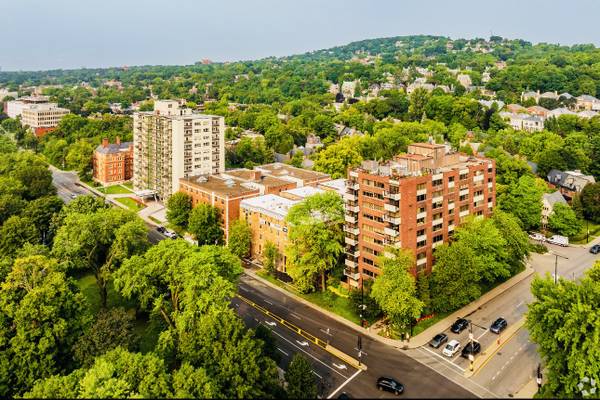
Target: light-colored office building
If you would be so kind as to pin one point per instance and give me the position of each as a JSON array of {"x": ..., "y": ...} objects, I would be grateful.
[
  {"x": 43, "y": 117},
  {"x": 173, "y": 142}
]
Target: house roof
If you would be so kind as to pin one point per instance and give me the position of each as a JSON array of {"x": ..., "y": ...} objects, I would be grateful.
[
  {"x": 553, "y": 198},
  {"x": 587, "y": 97},
  {"x": 572, "y": 180},
  {"x": 113, "y": 148}
]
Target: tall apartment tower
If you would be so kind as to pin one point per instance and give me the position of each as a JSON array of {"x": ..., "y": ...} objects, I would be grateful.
[
  {"x": 172, "y": 142},
  {"x": 414, "y": 202}
]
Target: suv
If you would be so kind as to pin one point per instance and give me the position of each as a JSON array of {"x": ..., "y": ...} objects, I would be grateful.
[
  {"x": 438, "y": 340},
  {"x": 459, "y": 326},
  {"x": 390, "y": 385},
  {"x": 537, "y": 236},
  {"x": 451, "y": 348},
  {"x": 471, "y": 348},
  {"x": 595, "y": 249},
  {"x": 499, "y": 325}
]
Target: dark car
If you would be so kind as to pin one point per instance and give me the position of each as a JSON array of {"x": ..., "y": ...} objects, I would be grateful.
[
  {"x": 344, "y": 396},
  {"x": 438, "y": 340},
  {"x": 595, "y": 249},
  {"x": 499, "y": 325},
  {"x": 390, "y": 385},
  {"x": 471, "y": 348},
  {"x": 459, "y": 326},
  {"x": 161, "y": 229}
]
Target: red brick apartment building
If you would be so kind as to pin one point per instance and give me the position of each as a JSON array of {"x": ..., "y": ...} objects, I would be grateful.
[
  {"x": 414, "y": 201},
  {"x": 113, "y": 162},
  {"x": 225, "y": 191}
]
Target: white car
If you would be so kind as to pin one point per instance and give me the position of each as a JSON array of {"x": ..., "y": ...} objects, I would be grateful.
[
  {"x": 537, "y": 236},
  {"x": 559, "y": 240},
  {"x": 451, "y": 348},
  {"x": 73, "y": 195}
]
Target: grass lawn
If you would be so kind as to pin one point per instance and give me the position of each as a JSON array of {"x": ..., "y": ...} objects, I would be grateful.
[
  {"x": 129, "y": 185},
  {"x": 147, "y": 329},
  {"x": 328, "y": 300},
  {"x": 421, "y": 326},
  {"x": 580, "y": 238},
  {"x": 130, "y": 203},
  {"x": 114, "y": 189}
]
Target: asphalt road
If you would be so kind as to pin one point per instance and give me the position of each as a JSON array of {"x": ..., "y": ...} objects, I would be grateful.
[{"x": 382, "y": 360}]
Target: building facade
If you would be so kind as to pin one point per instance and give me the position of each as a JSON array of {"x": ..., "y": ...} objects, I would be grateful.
[
  {"x": 171, "y": 143},
  {"x": 42, "y": 118},
  {"x": 414, "y": 202},
  {"x": 113, "y": 162}
]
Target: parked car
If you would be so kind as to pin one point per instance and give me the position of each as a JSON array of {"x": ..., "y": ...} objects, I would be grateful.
[
  {"x": 390, "y": 385},
  {"x": 170, "y": 234},
  {"x": 73, "y": 195},
  {"x": 459, "y": 326},
  {"x": 499, "y": 325},
  {"x": 161, "y": 229},
  {"x": 471, "y": 348},
  {"x": 595, "y": 249},
  {"x": 451, "y": 348},
  {"x": 344, "y": 396},
  {"x": 559, "y": 240},
  {"x": 438, "y": 340},
  {"x": 537, "y": 236}
]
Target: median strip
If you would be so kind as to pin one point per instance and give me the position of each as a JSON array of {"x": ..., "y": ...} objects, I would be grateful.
[{"x": 312, "y": 338}]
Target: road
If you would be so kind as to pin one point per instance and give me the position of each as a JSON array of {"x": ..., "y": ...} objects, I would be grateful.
[
  {"x": 68, "y": 187},
  {"x": 509, "y": 369},
  {"x": 381, "y": 359}
]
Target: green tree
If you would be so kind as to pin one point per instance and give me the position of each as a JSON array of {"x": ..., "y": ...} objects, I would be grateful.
[
  {"x": 564, "y": 221},
  {"x": 299, "y": 378},
  {"x": 371, "y": 309},
  {"x": 269, "y": 257},
  {"x": 269, "y": 343},
  {"x": 205, "y": 224},
  {"x": 41, "y": 212},
  {"x": 418, "y": 101},
  {"x": 395, "y": 288},
  {"x": 36, "y": 179},
  {"x": 100, "y": 242},
  {"x": 589, "y": 199},
  {"x": 423, "y": 291},
  {"x": 79, "y": 158},
  {"x": 297, "y": 159},
  {"x": 523, "y": 199},
  {"x": 315, "y": 239},
  {"x": 112, "y": 328},
  {"x": 563, "y": 322},
  {"x": 337, "y": 158},
  {"x": 10, "y": 205},
  {"x": 517, "y": 241},
  {"x": 240, "y": 237},
  {"x": 15, "y": 232},
  {"x": 42, "y": 316},
  {"x": 455, "y": 279},
  {"x": 179, "y": 206}
]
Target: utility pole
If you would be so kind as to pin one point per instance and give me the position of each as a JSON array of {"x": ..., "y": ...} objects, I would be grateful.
[
  {"x": 359, "y": 347},
  {"x": 471, "y": 357},
  {"x": 538, "y": 378},
  {"x": 556, "y": 255}
]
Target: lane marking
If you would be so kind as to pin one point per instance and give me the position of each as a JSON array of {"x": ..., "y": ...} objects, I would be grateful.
[
  {"x": 480, "y": 336},
  {"x": 295, "y": 316},
  {"x": 320, "y": 377},
  {"x": 344, "y": 384},
  {"x": 286, "y": 354},
  {"x": 310, "y": 355},
  {"x": 243, "y": 289},
  {"x": 270, "y": 323},
  {"x": 326, "y": 331},
  {"x": 445, "y": 359},
  {"x": 455, "y": 358},
  {"x": 268, "y": 302},
  {"x": 362, "y": 351},
  {"x": 520, "y": 304},
  {"x": 303, "y": 343},
  {"x": 340, "y": 366}
]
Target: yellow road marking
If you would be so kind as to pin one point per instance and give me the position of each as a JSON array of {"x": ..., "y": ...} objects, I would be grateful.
[{"x": 520, "y": 324}]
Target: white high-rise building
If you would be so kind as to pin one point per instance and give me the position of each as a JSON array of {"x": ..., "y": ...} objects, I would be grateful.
[{"x": 173, "y": 142}]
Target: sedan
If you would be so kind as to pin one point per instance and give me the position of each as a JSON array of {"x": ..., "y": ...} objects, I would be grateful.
[
  {"x": 595, "y": 249},
  {"x": 451, "y": 348},
  {"x": 438, "y": 340},
  {"x": 460, "y": 325},
  {"x": 161, "y": 229},
  {"x": 471, "y": 348},
  {"x": 499, "y": 325},
  {"x": 390, "y": 385}
]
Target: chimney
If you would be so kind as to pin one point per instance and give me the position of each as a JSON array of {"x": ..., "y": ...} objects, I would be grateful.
[
  {"x": 105, "y": 142},
  {"x": 118, "y": 140},
  {"x": 256, "y": 175}
]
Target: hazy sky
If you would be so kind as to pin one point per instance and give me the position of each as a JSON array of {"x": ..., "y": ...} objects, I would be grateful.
[{"x": 46, "y": 34}]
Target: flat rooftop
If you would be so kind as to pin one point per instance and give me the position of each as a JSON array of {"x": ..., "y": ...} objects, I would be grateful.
[
  {"x": 303, "y": 192},
  {"x": 222, "y": 186},
  {"x": 289, "y": 172},
  {"x": 339, "y": 185},
  {"x": 269, "y": 204}
]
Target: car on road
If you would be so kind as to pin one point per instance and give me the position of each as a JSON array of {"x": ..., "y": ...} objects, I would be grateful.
[
  {"x": 390, "y": 385},
  {"x": 161, "y": 229},
  {"x": 460, "y": 325},
  {"x": 73, "y": 195},
  {"x": 499, "y": 325},
  {"x": 472, "y": 347},
  {"x": 595, "y": 249},
  {"x": 559, "y": 240},
  {"x": 170, "y": 234},
  {"x": 438, "y": 340},
  {"x": 451, "y": 348},
  {"x": 344, "y": 396},
  {"x": 537, "y": 236}
]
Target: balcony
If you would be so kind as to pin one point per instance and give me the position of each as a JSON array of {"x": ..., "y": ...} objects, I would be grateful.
[
  {"x": 490, "y": 185},
  {"x": 352, "y": 209},
  {"x": 388, "y": 255},
  {"x": 390, "y": 207},
  {"x": 450, "y": 185},
  {"x": 422, "y": 261},
  {"x": 437, "y": 177},
  {"x": 490, "y": 204},
  {"x": 350, "y": 196},
  {"x": 350, "y": 218},
  {"x": 390, "y": 232},
  {"x": 463, "y": 213},
  {"x": 421, "y": 238},
  {"x": 350, "y": 241},
  {"x": 352, "y": 185},
  {"x": 352, "y": 230},
  {"x": 438, "y": 221},
  {"x": 422, "y": 215},
  {"x": 478, "y": 178},
  {"x": 352, "y": 273},
  {"x": 392, "y": 220},
  {"x": 350, "y": 263},
  {"x": 451, "y": 206},
  {"x": 354, "y": 174},
  {"x": 393, "y": 196},
  {"x": 450, "y": 228},
  {"x": 437, "y": 199},
  {"x": 421, "y": 192},
  {"x": 463, "y": 192},
  {"x": 478, "y": 198},
  {"x": 352, "y": 251},
  {"x": 436, "y": 244}
]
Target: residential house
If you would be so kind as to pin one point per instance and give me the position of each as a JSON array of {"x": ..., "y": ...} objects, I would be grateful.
[
  {"x": 569, "y": 183},
  {"x": 539, "y": 111},
  {"x": 587, "y": 102},
  {"x": 548, "y": 202},
  {"x": 113, "y": 162},
  {"x": 523, "y": 122}
]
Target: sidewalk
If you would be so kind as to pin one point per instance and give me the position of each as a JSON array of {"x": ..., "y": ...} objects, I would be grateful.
[
  {"x": 527, "y": 391},
  {"x": 422, "y": 338}
]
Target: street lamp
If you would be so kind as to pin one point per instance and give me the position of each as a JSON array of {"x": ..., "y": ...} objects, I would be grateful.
[{"x": 556, "y": 255}]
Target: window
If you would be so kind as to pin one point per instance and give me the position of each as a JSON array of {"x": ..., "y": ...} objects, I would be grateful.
[
  {"x": 369, "y": 239},
  {"x": 450, "y": 179},
  {"x": 422, "y": 197},
  {"x": 438, "y": 238},
  {"x": 421, "y": 210},
  {"x": 462, "y": 177},
  {"x": 373, "y": 195},
  {"x": 464, "y": 197},
  {"x": 421, "y": 186},
  {"x": 420, "y": 232},
  {"x": 372, "y": 206},
  {"x": 421, "y": 243},
  {"x": 369, "y": 182},
  {"x": 437, "y": 227},
  {"x": 436, "y": 182},
  {"x": 420, "y": 221}
]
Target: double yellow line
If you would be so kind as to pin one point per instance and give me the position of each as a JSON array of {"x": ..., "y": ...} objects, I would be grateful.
[{"x": 322, "y": 344}]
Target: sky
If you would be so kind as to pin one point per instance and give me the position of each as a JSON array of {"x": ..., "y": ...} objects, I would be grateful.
[{"x": 50, "y": 34}]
